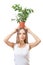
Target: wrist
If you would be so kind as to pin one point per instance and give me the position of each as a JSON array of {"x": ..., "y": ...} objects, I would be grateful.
[
  {"x": 31, "y": 32},
  {"x": 11, "y": 33}
]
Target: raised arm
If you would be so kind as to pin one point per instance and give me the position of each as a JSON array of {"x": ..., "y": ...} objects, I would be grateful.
[
  {"x": 6, "y": 40},
  {"x": 37, "y": 40}
]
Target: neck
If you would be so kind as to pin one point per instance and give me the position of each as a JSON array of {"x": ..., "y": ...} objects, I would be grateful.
[{"x": 22, "y": 42}]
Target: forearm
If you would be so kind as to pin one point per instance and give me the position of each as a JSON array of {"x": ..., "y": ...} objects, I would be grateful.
[
  {"x": 9, "y": 36},
  {"x": 34, "y": 36},
  {"x": 37, "y": 39}
]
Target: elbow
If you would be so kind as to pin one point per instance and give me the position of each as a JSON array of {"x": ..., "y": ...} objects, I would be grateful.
[
  {"x": 5, "y": 41},
  {"x": 39, "y": 41}
]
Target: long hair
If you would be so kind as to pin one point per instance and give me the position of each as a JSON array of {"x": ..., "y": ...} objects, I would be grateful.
[{"x": 17, "y": 37}]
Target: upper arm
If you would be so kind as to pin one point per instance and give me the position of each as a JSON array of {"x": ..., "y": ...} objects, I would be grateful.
[
  {"x": 11, "y": 44},
  {"x": 31, "y": 45}
]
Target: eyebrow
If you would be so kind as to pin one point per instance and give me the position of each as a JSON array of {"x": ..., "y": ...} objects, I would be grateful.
[{"x": 23, "y": 33}]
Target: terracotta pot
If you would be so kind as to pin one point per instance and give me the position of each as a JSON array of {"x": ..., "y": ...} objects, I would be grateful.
[{"x": 22, "y": 24}]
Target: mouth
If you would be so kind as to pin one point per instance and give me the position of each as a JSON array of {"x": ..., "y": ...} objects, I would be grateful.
[{"x": 22, "y": 38}]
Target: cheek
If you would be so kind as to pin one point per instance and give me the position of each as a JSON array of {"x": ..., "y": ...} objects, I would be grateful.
[
  {"x": 20, "y": 36},
  {"x": 24, "y": 36}
]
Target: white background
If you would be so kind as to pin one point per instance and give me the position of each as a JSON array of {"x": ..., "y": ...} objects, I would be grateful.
[{"x": 34, "y": 22}]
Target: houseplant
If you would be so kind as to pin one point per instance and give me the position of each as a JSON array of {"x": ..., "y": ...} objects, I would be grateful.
[{"x": 22, "y": 14}]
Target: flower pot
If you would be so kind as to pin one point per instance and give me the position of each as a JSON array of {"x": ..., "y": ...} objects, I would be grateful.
[{"x": 22, "y": 24}]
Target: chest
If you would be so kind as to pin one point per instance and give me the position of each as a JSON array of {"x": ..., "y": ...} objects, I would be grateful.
[{"x": 21, "y": 51}]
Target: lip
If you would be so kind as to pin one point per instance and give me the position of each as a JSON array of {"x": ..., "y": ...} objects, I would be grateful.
[{"x": 22, "y": 38}]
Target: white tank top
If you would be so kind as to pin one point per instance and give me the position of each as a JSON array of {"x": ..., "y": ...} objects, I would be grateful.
[{"x": 21, "y": 55}]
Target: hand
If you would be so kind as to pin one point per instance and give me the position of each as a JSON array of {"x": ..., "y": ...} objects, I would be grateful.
[
  {"x": 28, "y": 30},
  {"x": 18, "y": 27},
  {"x": 25, "y": 28}
]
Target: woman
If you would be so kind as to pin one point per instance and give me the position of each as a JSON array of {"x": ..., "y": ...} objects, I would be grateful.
[{"x": 22, "y": 47}]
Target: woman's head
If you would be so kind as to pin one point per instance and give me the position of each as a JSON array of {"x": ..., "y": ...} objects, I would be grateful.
[{"x": 22, "y": 35}]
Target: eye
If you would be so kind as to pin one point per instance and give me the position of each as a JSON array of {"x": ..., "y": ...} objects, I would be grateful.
[
  {"x": 19, "y": 33},
  {"x": 24, "y": 33}
]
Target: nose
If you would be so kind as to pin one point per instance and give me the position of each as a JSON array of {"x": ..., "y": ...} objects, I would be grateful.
[{"x": 21, "y": 34}]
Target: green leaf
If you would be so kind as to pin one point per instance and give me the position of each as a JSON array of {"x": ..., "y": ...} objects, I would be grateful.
[{"x": 22, "y": 13}]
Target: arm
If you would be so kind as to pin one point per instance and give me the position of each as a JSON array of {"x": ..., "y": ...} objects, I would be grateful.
[
  {"x": 6, "y": 40},
  {"x": 37, "y": 40}
]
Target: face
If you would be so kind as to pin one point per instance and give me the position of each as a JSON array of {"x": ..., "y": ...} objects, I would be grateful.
[{"x": 22, "y": 35}]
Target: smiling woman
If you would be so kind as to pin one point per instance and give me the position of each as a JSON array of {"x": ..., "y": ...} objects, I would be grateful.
[
  {"x": 22, "y": 35},
  {"x": 22, "y": 47}
]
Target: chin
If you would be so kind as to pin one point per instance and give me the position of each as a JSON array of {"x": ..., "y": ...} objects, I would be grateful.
[{"x": 21, "y": 40}]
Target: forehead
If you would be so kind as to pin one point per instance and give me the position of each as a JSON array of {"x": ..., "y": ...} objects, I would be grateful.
[{"x": 22, "y": 30}]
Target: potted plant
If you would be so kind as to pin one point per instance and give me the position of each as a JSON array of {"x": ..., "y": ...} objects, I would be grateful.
[{"x": 22, "y": 14}]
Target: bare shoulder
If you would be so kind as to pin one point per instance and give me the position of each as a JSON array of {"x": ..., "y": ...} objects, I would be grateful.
[
  {"x": 14, "y": 44},
  {"x": 28, "y": 45}
]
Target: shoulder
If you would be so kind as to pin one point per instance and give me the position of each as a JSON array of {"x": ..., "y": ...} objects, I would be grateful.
[
  {"x": 28, "y": 45},
  {"x": 15, "y": 44}
]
